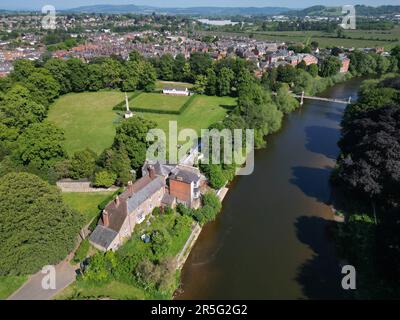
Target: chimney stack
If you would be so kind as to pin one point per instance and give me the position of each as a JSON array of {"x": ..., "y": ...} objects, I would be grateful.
[
  {"x": 106, "y": 221},
  {"x": 152, "y": 172},
  {"x": 130, "y": 186},
  {"x": 117, "y": 200}
]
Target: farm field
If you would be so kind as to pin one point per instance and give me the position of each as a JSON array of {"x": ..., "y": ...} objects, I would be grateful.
[
  {"x": 86, "y": 202},
  {"x": 87, "y": 119},
  {"x": 158, "y": 101},
  {"x": 202, "y": 112},
  {"x": 357, "y": 38}
]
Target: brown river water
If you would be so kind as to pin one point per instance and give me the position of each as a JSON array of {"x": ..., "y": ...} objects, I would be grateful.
[{"x": 272, "y": 239}]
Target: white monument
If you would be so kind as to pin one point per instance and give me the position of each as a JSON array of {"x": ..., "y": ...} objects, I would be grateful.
[{"x": 128, "y": 113}]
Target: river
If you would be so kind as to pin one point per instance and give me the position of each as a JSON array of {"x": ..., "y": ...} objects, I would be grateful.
[{"x": 272, "y": 239}]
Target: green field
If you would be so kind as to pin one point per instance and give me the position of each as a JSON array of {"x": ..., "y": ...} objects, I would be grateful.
[
  {"x": 162, "y": 84},
  {"x": 9, "y": 284},
  {"x": 86, "y": 202},
  {"x": 87, "y": 119},
  {"x": 353, "y": 38},
  {"x": 202, "y": 112},
  {"x": 158, "y": 101},
  {"x": 114, "y": 289}
]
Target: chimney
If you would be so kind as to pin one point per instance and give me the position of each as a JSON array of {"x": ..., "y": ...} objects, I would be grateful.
[
  {"x": 106, "y": 221},
  {"x": 117, "y": 200},
  {"x": 152, "y": 172},
  {"x": 130, "y": 186}
]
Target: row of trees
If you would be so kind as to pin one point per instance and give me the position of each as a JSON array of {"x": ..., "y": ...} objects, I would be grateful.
[{"x": 368, "y": 173}]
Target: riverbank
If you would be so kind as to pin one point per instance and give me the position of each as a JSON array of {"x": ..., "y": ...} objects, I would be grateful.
[{"x": 277, "y": 216}]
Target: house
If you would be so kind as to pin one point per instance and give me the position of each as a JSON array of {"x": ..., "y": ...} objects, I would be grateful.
[
  {"x": 120, "y": 216},
  {"x": 345, "y": 63},
  {"x": 160, "y": 186},
  {"x": 176, "y": 91}
]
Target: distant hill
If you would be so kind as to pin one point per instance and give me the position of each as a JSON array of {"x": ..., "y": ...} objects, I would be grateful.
[
  {"x": 361, "y": 10},
  {"x": 217, "y": 11}
]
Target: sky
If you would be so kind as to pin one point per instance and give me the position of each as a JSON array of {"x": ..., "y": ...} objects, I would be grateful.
[{"x": 62, "y": 4}]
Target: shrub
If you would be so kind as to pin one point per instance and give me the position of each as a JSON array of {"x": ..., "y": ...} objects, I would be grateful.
[
  {"x": 104, "y": 179},
  {"x": 82, "y": 251}
]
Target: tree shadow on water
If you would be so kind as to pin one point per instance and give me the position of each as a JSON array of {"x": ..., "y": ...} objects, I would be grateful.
[
  {"x": 313, "y": 182},
  {"x": 320, "y": 277},
  {"x": 323, "y": 140}
]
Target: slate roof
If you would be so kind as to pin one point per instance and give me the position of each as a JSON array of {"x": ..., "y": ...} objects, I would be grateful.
[
  {"x": 185, "y": 175},
  {"x": 103, "y": 236},
  {"x": 144, "y": 193}
]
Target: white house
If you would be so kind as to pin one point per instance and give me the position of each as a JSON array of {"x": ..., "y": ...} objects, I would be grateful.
[{"x": 176, "y": 91}]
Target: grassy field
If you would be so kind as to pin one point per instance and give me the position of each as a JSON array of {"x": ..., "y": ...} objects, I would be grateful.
[
  {"x": 161, "y": 84},
  {"x": 9, "y": 284},
  {"x": 116, "y": 290},
  {"x": 354, "y": 38},
  {"x": 202, "y": 112},
  {"x": 86, "y": 202},
  {"x": 87, "y": 119},
  {"x": 158, "y": 101}
]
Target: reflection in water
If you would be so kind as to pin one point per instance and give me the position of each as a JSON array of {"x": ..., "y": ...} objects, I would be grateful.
[{"x": 271, "y": 240}]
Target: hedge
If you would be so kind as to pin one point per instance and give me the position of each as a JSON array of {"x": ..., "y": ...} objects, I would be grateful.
[{"x": 173, "y": 112}]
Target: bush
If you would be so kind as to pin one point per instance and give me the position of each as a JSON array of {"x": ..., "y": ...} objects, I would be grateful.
[{"x": 104, "y": 179}]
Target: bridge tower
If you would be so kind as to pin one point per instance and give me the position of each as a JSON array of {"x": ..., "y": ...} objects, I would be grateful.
[
  {"x": 349, "y": 100},
  {"x": 302, "y": 98}
]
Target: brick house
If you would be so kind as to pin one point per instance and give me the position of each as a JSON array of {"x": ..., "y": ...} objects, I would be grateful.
[
  {"x": 161, "y": 185},
  {"x": 345, "y": 63}
]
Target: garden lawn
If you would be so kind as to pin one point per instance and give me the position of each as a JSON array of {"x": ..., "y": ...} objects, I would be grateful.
[
  {"x": 86, "y": 202},
  {"x": 158, "y": 101},
  {"x": 113, "y": 290},
  {"x": 202, "y": 112},
  {"x": 162, "y": 84},
  {"x": 87, "y": 119},
  {"x": 9, "y": 284}
]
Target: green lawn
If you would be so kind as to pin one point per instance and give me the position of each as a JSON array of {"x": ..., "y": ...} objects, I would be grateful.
[
  {"x": 161, "y": 84},
  {"x": 9, "y": 284},
  {"x": 115, "y": 290},
  {"x": 158, "y": 101},
  {"x": 87, "y": 119},
  {"x": 202, "y": 112},
  {"x": 86, "y": 202}
]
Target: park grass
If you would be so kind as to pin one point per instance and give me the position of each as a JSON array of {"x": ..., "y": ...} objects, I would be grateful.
[
  {"x": 353, "y": 38},
  {"x": 162, "y": 84},
  {"x": 113, "y": 290},
  {"x": 87, "y": 203},
  {"x": 9, "y": 284},
  {"x": 202, "y": 112},
  {"x": 158, "y": 101},
  {"x": 87, "y": 119}
]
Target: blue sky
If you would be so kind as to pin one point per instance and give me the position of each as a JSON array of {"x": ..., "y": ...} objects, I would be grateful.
[{"x": 62, "y": 4}]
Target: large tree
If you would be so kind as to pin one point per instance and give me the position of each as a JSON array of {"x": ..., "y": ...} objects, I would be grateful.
[{"x": 36, "y": 228}]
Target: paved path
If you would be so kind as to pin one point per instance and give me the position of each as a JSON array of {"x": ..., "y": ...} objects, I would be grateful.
[{"x": 32, "y": 289}]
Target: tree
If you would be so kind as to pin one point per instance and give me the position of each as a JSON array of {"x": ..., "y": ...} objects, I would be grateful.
[
  {"x": 60, "y": 71},
  {"x": 160, "y": 242},
  {"x": 199, "y": 64},
  {"x": 179, "y": 67},
  {"x": 329, "y": 67},
  {"x": 285, "y": 101},
  {"x": 147, "y": 76},
  {"x": 302, "y": 65},
  {"x": 286, "y": 73},
  {"x": 83, "y": 164},
  {"x": 200, "y": 84},
  {"x": 78, "y": 75},
  {"x": 225, "y": 79},
  {"x": 211, "y": 86},
  {"x": 19, "y": 111},
  {"x": 215, "y": 175},
  {"x": 43, "y": 87},
  {"x": 22, "y": 70},
  {"x": 130, "y": 76},
  {"x": 37, "y": 229},
  {"x": 131, "y": 136},
  {"x": 117, "y": 161},
  {"x": 166, "y": 66},
  {"x": 40, "y": 146},
  {"x": 95, "y": 80},
  {"x": 111, "y": 73},
  {"x": 104, "y": 179},
  {"x": 312, "y": 69}
]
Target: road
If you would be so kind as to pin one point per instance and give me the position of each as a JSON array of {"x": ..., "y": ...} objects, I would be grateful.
[{"x": 32, "y": 289}]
